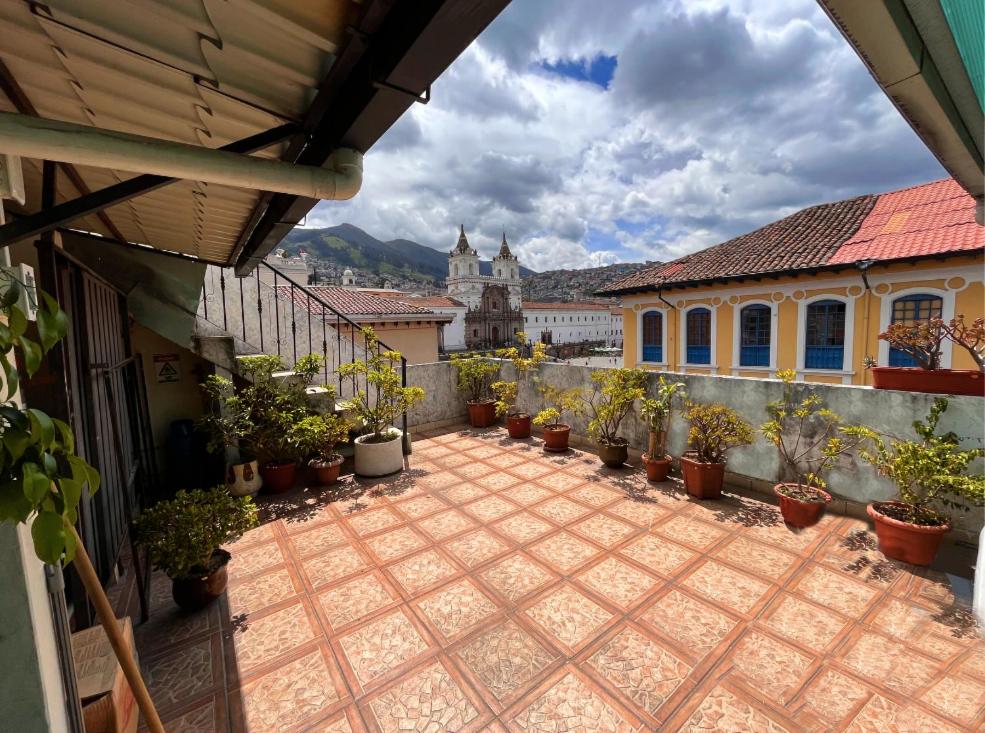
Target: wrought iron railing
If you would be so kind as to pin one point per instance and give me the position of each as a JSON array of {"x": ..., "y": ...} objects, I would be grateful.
[{"x": 267, "y": 312}]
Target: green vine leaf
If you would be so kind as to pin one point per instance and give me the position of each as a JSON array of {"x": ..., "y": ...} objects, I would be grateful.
[
  {"x": 42, "y": 425},
  {"x": 35, "y": 483},
  {"x": 11, "y": 293},
  {"x": 13, "y": 504},
  {"x": 32, "y": 355},
  {"x": 50, "y": 537}
]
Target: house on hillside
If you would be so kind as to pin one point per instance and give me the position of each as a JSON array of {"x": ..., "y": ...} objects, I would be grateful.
[{"x": 812, "y": 291}]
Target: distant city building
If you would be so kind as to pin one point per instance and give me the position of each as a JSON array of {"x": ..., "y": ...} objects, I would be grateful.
[
  {"x": 571, "y": 323},
  {"x": 295, "y": 268}
]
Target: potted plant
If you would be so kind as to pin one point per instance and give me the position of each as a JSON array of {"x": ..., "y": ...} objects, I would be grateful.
[
  {"x": 517, "y": 422},
  {"x": 714, "y": 430},
  {"x": 559, "y": 401},
  {"x": 475, "y": 375},
  {"x": 229, "y": 429},
  {"x": 379, "y": 451},
  {"x": 320, "y": 434},
  {"x": 928, "y": 472},
  {"x": 656, "y": 413},
  {"x": 183, "y": 538},
  {"x": 809, "y": 439},
  {"x": 614, "y": 392},
  {"x": 924, "y": 343}
]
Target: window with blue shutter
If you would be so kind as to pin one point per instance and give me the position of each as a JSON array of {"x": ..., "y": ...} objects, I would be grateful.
[
  {"x": 754, "y": 335},
  {"x": 653, "y": 322},
  {"x": 913, "y": 309},
  {"x": 699, "y": 336},
  {"x": 825, "y": 335}
]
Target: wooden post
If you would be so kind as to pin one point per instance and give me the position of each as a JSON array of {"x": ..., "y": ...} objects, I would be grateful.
[{"x": 108, "y": 620}]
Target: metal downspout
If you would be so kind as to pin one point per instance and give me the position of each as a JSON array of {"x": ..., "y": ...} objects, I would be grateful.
[{"x": 863, "y": 267}]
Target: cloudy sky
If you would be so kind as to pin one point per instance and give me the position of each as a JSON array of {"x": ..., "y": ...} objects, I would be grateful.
[{"x": 634, "y": 130}]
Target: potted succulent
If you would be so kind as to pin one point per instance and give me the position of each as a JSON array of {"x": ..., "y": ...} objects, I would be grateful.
[
  {"x": 183, "y": 538},
  {"x": 319, "y": 434},
  {"x": 517, "y": 422},
  {"x": 928, "y": 472},
  {"x": 229, "y": 429},
  {"x": 614, "y": 393},
  {"x": 924, "y": 343},
  {"x": 475, "y": 375},
  {"x": 379, "y": 451},
  {"x": 809, "y": 439},
  {"x": 714, "y": 430},
  {"x": 559, "y": 401},
  {"x": 656, "y": 413}
]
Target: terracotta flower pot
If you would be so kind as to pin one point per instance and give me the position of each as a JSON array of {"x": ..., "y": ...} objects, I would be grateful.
[
  {"x": 278, "y": 477},
  {"x": 196, "y": 592},
  {"x": 243, "y": 479},
  {"x": 934, "y": 381},
  {"x": 916, "y": 544},
  {"x": 556, "y": 438},
  {"x": 614, "y": 454},
  {"x": 657, "y": 469},
  {"x": 799, "y": 512},
  {"x": 482, "y": 414},
  {"x": 703, "y": 480},
  {"x": 518, "y": 426},
  {"x": 326, "y": 472}
]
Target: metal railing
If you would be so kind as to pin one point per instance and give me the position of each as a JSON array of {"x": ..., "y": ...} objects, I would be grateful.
[{"x": 267, "y": 312}]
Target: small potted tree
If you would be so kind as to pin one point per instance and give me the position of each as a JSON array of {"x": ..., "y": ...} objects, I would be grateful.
[
  {"x": 715, "y": 429},
  {"x": 559, "y": 401},
  {"x": 320, "y": 434},
  {"x": 475, "y": 376},
  {"x": 517, "y": 421},
  {"x": 614, "y": 393},
  {"x": 379, "y": 451},
  {"x": 809, "y": 439},
  {"x": 656, "y": 412},
  {"x": 928, "y": 472},
  {"x": 230, "y": 432},
  {"x": 183, "y": 538}
]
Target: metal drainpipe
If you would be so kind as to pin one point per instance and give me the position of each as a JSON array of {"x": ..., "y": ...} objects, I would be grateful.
[
  {"x": 670, "y": 305},
  {"x": 863, "y": 267}
]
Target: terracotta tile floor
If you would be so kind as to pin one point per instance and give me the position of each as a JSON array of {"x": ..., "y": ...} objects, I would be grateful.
[{"x": 494, "y": 587}]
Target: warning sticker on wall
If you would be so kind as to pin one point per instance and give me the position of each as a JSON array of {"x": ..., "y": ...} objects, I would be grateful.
[{"x": 167, "y": 367}]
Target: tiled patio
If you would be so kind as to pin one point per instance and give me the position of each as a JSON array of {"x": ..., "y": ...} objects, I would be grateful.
[{"x": 495, "y": 587}]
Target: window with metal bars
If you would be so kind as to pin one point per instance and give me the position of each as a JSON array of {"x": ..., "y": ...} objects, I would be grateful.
[
  {"x": 653, "y": 336},
  {"x": 825, "y": 335},
  {"x": 913, "y": 309},
  {"x": 699, "y": 336},
  {"x": 754, "y": 335}
]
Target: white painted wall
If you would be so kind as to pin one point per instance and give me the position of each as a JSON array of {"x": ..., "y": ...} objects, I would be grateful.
[{"x": 569, "y": 326}]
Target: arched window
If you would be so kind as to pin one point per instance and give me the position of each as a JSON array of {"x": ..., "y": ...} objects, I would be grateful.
[
  {"x": 653, "y": 323},
  {"x": 824, "y": 335},
  {"x": 754, "y": 336},
  {"x": 699, "y": 336},
  {"x": 913, "y": 309}
]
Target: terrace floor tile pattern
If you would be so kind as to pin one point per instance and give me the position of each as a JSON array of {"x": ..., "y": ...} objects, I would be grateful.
[{"x": 494, "y": 587}]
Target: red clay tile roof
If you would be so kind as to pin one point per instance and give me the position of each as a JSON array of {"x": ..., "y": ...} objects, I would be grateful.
[
  {"x": 934, "y": 218},
  {"x": 351, "y": 302},
  {"x": 584, "y": 305},
  {"x": 425, "y": 301}
]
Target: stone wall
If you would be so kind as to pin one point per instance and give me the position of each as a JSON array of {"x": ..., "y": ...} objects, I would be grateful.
[{"x": 756, "y": 466}]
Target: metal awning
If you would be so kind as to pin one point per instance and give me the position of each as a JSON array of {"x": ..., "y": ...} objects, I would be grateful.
[{"x": 323, "y": 75}]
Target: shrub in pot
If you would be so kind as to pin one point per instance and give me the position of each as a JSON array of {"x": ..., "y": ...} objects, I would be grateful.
[
  {"x": 475, "y": 376},
  {"x": 924, "y": 343},
  {"x": 614, "y": 393},
  {"x": 714, "y": 430},
  {"x": 379, "y": 451},
  {"x": 319, "y": 435},
  {"x": 183, "y": 537},
  {"x": 656, "y": 412},
  {"x": 929, "y": 473},
  {"x": 809, "y": 438},
  {"x": 559, "y": 401},
  {"x": 517, "y": 421},
  {"x": 228, "y": 427}
]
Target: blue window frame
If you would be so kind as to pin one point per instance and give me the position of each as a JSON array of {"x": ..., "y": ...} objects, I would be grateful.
[
  {"x": 913, "y": 309},
  {"x": 699, "y": 336},
  {"x": 754, "y": 335},
  {"x": 653, "y": 326},
  {"x": 825, "y": 335}
]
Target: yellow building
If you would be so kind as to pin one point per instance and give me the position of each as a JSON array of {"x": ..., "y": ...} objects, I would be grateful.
[{"x": 812, "y": 292}]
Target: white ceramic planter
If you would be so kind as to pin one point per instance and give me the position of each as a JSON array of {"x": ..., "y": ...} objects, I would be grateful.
[
  {"x": 243, "y": 479},
  {"x": 379, "y": 459}
]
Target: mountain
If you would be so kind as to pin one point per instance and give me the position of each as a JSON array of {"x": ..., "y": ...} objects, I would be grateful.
[
  {"x": 346, "y": 245},
  {"x": 556, "y": 285}
]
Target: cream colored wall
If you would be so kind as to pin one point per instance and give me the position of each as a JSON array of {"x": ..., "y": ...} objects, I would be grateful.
[
  {"x": 417, "y": 343},
  {"x": 959, "y": 280}
]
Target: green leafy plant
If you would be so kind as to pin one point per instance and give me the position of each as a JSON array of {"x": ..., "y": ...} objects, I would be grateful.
[
  {"x": 656, "y": 413},
  {"x": 181, "y": 534},
  {"x": 809, "y": 437},
  {"x": 559, "y": 402},
  {"x": 385, "y": 399},
  {"x": 42, "y": 478},
  {"x": 506, "y": 395},
  {"x": 923, "y": 341},
  {"x": 507, "y": 392},
  {"x": 475, "y": 376},
  {"x": 715, "y": 430},
  {"x": 932, "y": 469},
  {"x": 614, "y": 394},
  {"x": 320, "y": 434}
]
